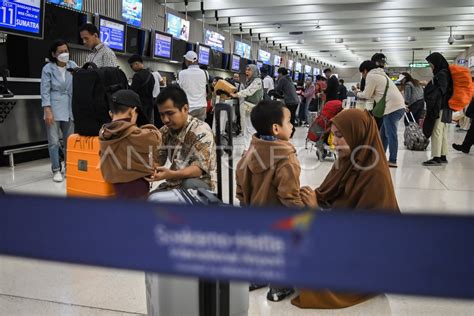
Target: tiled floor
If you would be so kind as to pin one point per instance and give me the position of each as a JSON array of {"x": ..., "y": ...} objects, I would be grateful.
[{"x": 30, "y": 287}]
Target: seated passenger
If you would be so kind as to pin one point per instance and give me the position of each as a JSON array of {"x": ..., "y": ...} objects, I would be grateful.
[
  {"x": 269, "y": 172},
  {"x": 128, "y": 153},
  {"x": 360, "y": 171},
  {"x": 188, "y": 144}
]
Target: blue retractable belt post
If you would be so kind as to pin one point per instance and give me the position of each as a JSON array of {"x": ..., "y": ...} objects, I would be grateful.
[{"x": 362, "y": 252}]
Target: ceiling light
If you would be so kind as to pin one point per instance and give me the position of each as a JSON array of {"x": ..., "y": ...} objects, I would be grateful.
[
  {"x": 339, "y": 40},
  {"x": 430, "y": 28},
  {"x": 411, "y": 38},
  {"x": 376, "y": 39},
  {"x": 300, "y": 41},
  {"x": 459, "y": 37}
]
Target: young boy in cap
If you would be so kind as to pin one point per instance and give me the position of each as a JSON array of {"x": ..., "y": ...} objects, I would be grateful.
[
  {"x": 269, "y": 173},
  {"x": 193, "y": 81},
  {"x": 128, "y": 153}
]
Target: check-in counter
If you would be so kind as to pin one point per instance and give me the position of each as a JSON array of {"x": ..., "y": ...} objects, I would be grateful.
[{"x": 21, "y": 117}]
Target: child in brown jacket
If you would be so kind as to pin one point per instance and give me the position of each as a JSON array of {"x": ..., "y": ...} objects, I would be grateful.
[
  {"x": 128, "y": 153},
  {"x": 269, "y": 172}
]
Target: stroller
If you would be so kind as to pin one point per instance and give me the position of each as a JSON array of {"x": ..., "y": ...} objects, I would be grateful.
[{"x": 319, "y": 134}]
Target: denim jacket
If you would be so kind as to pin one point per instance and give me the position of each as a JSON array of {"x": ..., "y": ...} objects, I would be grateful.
[{"x": 56, "y": 92}]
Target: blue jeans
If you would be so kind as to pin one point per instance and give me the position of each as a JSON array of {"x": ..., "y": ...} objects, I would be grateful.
[
  {"x": 53, "y": 131},
  {"x": 389, "y": 133}
]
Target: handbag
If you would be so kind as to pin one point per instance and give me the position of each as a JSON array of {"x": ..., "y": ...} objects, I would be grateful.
[
  {"x": 248, "y": 106},
  {"x": 379, "y": 108}
]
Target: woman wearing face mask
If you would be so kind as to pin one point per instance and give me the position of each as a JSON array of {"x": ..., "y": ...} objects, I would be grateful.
[
  {"x": 56, "y": 99},
  {"x": 361, "y": 168},
  {"x": 253, "y": 93}
]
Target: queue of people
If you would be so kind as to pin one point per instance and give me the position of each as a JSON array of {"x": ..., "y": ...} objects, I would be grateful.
[{"x": 182, "y": 152}]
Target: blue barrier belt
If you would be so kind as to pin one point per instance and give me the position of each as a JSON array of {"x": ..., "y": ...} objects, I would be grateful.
[{"x": 351, "y": 251}]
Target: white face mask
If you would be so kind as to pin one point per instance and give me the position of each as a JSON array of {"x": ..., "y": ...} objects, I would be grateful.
[{"x": 64, "y": 57}]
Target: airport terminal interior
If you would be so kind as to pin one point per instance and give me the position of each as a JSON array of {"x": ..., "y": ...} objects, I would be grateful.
[{"x": 308, "y": 44}]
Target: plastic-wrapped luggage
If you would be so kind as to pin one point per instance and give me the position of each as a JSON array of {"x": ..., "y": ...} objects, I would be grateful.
[
  {"x": 414, "y": 137},
  {"x": 83, "y": 175}
]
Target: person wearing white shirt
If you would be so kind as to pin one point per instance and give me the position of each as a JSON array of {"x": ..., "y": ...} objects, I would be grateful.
[
  {"x": 158, "y": 82},
  {"x": 194, "y": 82},
  {"x": 268, "y": 84}
]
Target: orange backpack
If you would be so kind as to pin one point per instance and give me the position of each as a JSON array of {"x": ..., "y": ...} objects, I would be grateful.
[{"x": 462, "y": 94}]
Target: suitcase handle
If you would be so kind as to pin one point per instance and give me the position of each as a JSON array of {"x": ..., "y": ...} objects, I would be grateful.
[
  {"x": 408, "y": 119},
  {"x": 90, "y": 65},
  {"x": 223, "y": 107}
]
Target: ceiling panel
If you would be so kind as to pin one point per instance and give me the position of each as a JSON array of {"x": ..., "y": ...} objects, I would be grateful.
[{"x": 364, "y": 26}]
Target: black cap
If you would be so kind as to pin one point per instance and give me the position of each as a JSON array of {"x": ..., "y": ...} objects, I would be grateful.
[
  {"x": 135, "y": 58},
  {"x": 379, "y": 59},
  {"x": 127, "y": 98}
]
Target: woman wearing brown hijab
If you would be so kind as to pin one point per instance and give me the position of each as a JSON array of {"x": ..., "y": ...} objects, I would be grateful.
[{"x": 360, "y": 180}]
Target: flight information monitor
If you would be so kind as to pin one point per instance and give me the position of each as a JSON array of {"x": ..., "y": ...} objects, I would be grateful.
[
  {"x": 112, "y": 33},
  {"x": 215, "y": 40},
  {"x": 132, "y": 12},
  {"x": 204, "y": 54},
  {"x": 22, "y": 17},
  {"x": 162, "y": 46},
  {"x": 242, "y": 49}
]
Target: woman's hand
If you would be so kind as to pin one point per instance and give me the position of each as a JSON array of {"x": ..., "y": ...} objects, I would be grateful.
[
  {"x": 234, "y": 95},
  {"x": 48, "y": 116},
  {"x": 308, "y": 196}
]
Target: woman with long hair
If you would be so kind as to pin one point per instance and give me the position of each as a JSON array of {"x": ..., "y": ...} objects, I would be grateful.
[{"x": 413, "y": 94}]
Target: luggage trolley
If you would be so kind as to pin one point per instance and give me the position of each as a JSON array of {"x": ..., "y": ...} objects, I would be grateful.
[{"x": 321, "y": 139}]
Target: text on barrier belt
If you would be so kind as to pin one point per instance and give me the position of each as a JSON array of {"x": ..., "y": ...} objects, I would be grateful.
[{"x": 351, "y": 251}]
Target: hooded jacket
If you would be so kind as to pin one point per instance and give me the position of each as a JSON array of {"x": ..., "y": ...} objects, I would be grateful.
[
  {"x": 128, "y": 152},
  {"x": 268, "y": 174}
]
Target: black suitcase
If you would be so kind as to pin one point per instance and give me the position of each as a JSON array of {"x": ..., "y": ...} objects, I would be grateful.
[{"x": 92, "y": 93}]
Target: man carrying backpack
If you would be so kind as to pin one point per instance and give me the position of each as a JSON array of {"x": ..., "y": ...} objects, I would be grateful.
[{"x": 143, "y": 83}]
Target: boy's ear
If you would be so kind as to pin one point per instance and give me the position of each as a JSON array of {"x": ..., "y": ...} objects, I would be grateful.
[
  {"x": 186, "y": 108},
  {"x": 275, "y": 129},
  {"x": 111, "y": 114}
]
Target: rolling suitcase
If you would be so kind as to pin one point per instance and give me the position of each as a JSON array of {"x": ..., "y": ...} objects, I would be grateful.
[
  {"x": 83, "y": 174},
  {"x": 174, "y": 296}
]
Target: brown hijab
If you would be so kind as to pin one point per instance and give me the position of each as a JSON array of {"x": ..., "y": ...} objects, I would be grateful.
[{"x": 360, "y": 181}]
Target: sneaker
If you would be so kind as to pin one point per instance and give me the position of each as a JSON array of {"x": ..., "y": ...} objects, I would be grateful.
[
  {"x": 432, "y": 162},
  {"x": 461, "y": 148},
  {"x": 392, "y": 164},
  {"x": 277, "y": 295},
  {"x": 444, "y": 160},
  {"x": 58, "y": 177}
]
